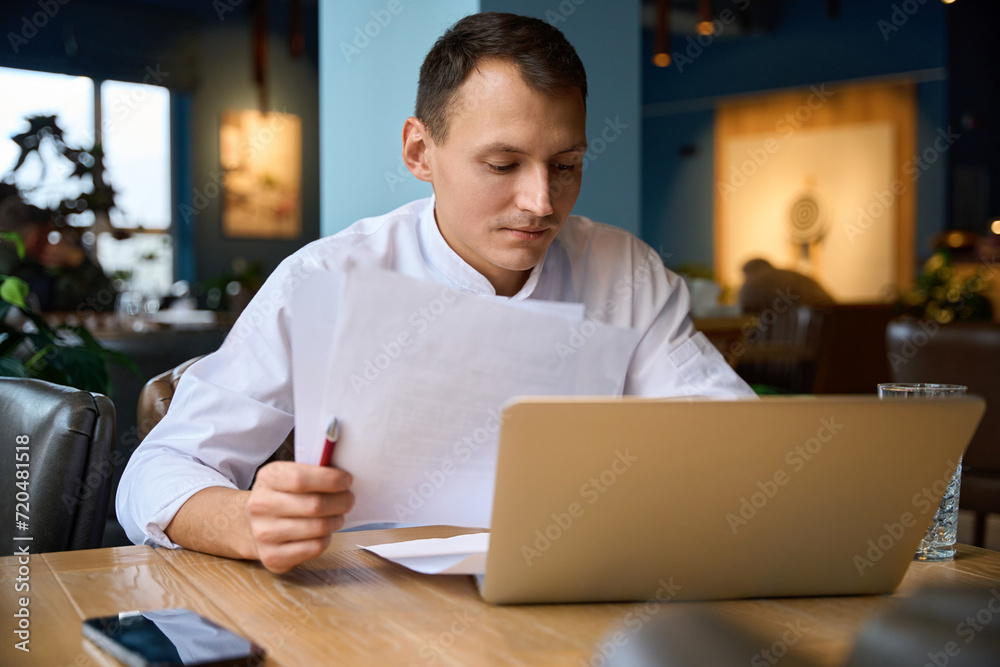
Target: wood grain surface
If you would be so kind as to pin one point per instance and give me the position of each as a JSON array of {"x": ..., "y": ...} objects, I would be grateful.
[{"x": 350, "y": 607}]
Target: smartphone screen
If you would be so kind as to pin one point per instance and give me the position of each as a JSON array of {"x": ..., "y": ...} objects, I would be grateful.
[{"x": 170, "y": 637}]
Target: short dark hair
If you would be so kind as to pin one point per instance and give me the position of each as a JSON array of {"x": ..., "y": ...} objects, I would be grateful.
[{"x": 542, "y": 55}]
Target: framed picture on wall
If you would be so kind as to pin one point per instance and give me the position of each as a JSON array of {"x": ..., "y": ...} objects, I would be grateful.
[
  {"x": 261, "y": 156},
  {"x": 823, "y": 184}
]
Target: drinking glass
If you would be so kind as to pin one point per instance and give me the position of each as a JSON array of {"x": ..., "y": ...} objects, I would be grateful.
[{"x": 939, "y": 541}]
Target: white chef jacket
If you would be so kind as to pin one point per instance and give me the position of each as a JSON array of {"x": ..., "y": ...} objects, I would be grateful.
[{"x": 233, "y": 408}]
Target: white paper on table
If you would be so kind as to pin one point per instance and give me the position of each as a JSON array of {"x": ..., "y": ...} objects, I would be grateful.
[
  {"x": 462, "y": 554},
  {"x": 417, "y": 373}
]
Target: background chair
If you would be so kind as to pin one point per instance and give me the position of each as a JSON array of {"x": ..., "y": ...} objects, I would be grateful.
[
  {"x": 71, "y": 434},
  {"x": 831, "y": 349},
  {"x": 966, "y": 353},
  {"x": 155, "y": 397},
  {"x": 782, "y": 351}
]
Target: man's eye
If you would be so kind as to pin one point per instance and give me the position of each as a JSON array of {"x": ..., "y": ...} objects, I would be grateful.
[
  {"x": 564, "y": 167},
  {"x": 499, "y": 168}
]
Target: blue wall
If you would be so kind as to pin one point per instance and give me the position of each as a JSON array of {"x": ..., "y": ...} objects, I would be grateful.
[
  {"x": 677, "y": 189},
  {"x": 368, "y": 87},
  {"x": 803, "y": 48},
  {"x": 225, "y": 81}
]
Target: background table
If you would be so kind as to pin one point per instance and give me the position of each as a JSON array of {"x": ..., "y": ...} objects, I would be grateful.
[{"x": 349, "y": 607}]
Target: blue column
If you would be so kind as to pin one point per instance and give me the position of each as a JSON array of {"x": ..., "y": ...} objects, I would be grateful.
[{"x": 370, "y": 58}]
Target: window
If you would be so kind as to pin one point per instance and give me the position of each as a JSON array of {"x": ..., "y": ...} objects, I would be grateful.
[
  {"x": 135, "y": 128},
  {"x": 32, "y": 94}
]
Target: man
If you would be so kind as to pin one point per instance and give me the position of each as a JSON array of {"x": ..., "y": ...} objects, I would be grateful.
[
  {"x": 764, "y": 282},
  {"x": 499, "y": 132}
]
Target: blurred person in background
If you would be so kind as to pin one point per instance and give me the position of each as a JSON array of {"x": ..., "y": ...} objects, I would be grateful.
[
  {"x": 764, "y": 282},
  {"x": 59, "y": 273}
]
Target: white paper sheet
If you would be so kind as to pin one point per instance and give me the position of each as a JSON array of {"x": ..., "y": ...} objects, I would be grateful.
[
  {"x": 462, "y": 554},
  {"x": 417, "y": 374}
]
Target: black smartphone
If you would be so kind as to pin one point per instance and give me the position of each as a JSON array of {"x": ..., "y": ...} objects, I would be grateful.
[{"x": 170, "y": 638}]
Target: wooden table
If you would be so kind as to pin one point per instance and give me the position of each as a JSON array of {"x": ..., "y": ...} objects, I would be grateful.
[{"x": 349, "y": 607}]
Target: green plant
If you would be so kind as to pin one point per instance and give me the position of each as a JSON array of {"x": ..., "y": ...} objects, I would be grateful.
[
  {"x": 31, "y": 348},
  {"x": 943, "y": 294},
  {"x": 86, "y": 162}
]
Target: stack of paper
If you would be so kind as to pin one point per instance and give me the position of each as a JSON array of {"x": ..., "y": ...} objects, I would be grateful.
[{"x": 417, "y": 375}]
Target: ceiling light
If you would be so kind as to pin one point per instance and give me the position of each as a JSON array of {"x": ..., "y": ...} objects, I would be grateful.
[{"x": 661, "y": 52}]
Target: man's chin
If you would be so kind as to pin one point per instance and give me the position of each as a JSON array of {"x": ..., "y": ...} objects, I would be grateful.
[{"x": 522, "y": 261}]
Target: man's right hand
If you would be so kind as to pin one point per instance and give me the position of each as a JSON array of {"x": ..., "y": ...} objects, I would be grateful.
[
  {"x": 293, "y": 508},
  {"x": 286, "y": 518}
]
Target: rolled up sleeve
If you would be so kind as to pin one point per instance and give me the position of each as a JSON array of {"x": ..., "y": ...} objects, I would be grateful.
[{"x": 230, "y": 412}]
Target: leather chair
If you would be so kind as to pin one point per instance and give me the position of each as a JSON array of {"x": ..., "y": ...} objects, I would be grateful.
[
  {"x": 966, "y": 353},
  {"x": 70, "y": 437},
  {"x": 155, "y": 397}
]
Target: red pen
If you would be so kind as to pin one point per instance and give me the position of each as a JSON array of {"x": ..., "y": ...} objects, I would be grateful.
[{"x": 332, "y": 432}]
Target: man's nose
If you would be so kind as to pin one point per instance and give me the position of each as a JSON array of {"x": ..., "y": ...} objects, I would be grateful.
[{"x": 534, "y": 194}]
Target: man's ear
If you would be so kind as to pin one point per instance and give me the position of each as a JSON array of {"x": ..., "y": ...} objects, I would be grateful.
[{"x": 417, "y": 145}]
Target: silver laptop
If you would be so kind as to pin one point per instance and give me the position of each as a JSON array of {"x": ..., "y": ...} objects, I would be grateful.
[{"x": 638, "y": 499}]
